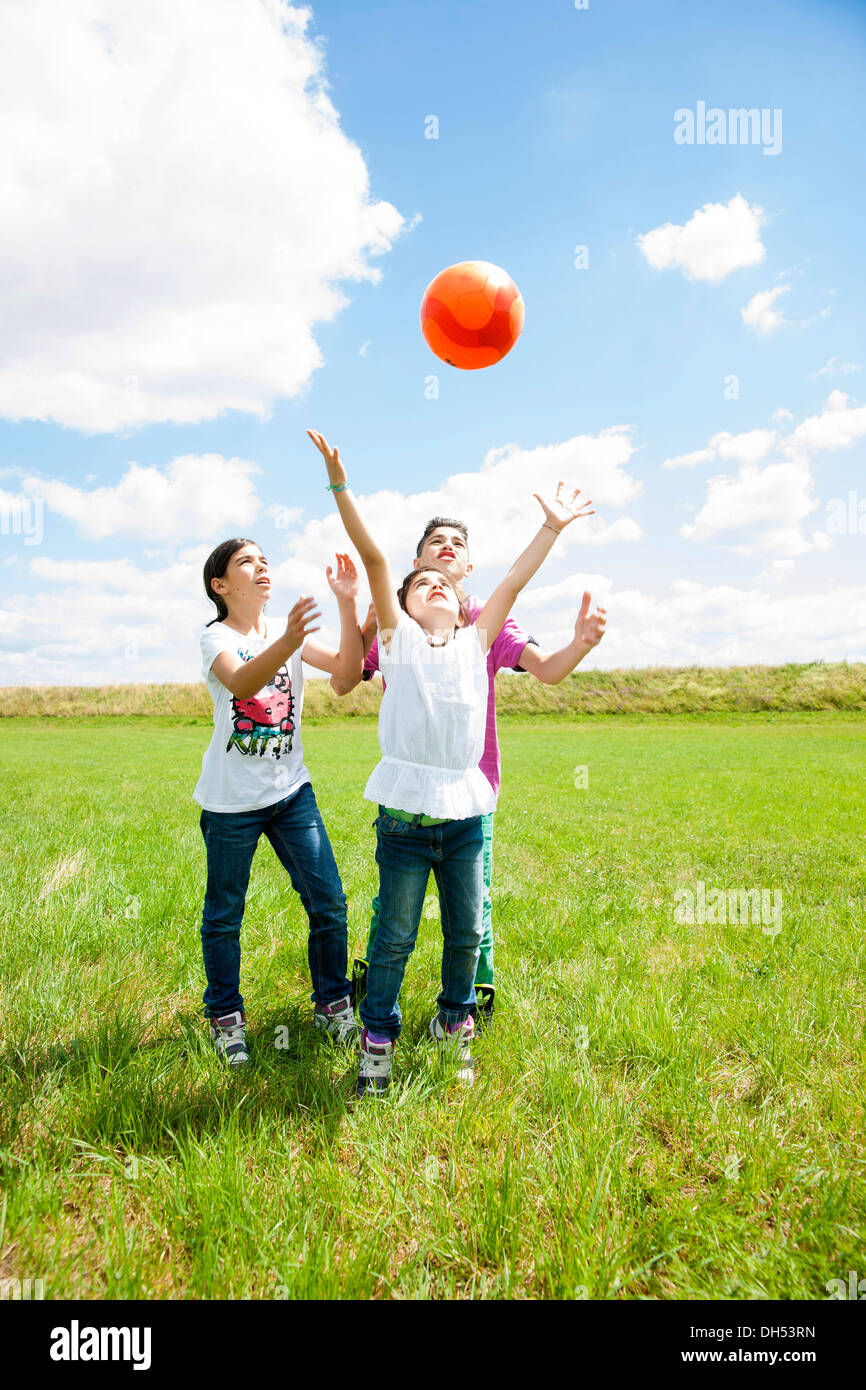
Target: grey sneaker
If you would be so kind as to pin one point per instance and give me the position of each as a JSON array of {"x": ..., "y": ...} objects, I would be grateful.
[
  {"x": 229, "y": 1036},
  {"x": 455, "y": 1041},
  {"x": 337, "y": 1020},
  {"x": 374, "y": 1075}
]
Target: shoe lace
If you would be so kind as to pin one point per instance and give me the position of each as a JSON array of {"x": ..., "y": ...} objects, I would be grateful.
[
  {"x": 233, "y": 1033},
  {"x": 341, "y": 1021},
  {"x": 373, "y": 1063}
]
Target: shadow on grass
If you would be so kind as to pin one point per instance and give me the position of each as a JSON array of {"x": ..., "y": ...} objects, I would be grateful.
[{"x": 115, "y": 1085}]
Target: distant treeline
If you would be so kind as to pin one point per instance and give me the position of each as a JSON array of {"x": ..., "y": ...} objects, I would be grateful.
[{"x": 654, "y": 690}]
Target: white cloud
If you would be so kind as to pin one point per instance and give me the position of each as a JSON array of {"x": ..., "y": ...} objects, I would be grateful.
[
  {"x": 213, "y": 497},
  {"x": 717, "y": 239},
  {"x": 178, "y": 205},
  {"x": 772, "y": 503},
  {"x": 197, "y": 495},
  {"x": 777, "y": 569},
  {"x": 839, "y": 426},
  {"x": 761, "y": 315},
  {"x": 569, "y": 590},
  {"x": 727, "y": 625},
  {"x": 496, "y": 502},
  {"x": 779, "y": 496},
  {"x": 694, "y": 623},
  {"x": 749, "y": 447},
  {"x": 833, "y": 367},
  {"x": 124, "y": 624},
  {"x": 690, "y": 460}
]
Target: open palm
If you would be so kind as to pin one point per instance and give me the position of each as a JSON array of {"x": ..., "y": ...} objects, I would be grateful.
[
  {"x": 344, "y": 584},
  {"x": 564, "y": 509},
  {"x": 336, "y": 471}
]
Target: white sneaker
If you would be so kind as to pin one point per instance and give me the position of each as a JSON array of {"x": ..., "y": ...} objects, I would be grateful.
[
  {"x": 229, "y": 1036},
  {"x": 377, "y": 1060},
  {"x": 337, "y": 1020},
  {"x": 456, "y": 1041}
]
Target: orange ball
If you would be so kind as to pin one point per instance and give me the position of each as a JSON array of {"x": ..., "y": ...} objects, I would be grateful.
[{"x": 472, "y": 314}]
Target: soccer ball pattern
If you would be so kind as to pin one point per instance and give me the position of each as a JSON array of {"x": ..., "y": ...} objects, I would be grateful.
[{"x": 472, "y": 314}]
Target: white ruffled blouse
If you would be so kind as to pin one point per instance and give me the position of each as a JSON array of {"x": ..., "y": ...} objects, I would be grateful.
[{"x": 431, "y": 725}]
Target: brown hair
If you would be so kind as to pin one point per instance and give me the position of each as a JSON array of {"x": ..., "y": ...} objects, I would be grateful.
[{"x": 403, "y": 591}]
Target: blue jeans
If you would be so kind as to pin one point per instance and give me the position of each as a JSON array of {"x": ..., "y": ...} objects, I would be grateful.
[
  {"x": 484, "y": 973},
  {"x": 295, "y": 829},
  {"x": 405, "y": 853}
]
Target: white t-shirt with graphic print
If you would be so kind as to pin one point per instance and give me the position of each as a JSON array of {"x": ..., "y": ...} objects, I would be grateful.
[{"x": 255, "y": 756}]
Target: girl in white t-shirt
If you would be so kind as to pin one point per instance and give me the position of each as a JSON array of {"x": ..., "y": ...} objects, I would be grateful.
[
  {"x": 254, "y": 782},
  {"x": 429, "y": 787}
]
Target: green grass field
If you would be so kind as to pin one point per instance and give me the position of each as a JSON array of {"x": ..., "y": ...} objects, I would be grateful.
[{"x": 662, "y": 1110}]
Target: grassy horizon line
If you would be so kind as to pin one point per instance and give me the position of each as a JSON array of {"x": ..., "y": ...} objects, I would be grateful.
[{"x": 643, "y": 690}]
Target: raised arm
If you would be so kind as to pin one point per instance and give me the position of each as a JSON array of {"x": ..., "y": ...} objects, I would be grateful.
[
  {"x": 346, "y": 665},
  {"x": 552, "y": 667},
  {"x": 341, "y": 686},
  {"x": 557, "y": 515},
  {"x": 372, "y": 556}
]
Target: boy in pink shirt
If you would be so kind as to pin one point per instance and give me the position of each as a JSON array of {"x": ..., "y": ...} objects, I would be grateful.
[{"x": 445, "y": 546}]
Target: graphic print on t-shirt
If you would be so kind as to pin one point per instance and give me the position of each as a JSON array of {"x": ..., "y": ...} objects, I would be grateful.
[{"x": 264, "y": 723}]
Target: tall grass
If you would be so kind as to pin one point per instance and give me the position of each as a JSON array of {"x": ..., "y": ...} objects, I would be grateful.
[{"x": 661, "y": 1110}]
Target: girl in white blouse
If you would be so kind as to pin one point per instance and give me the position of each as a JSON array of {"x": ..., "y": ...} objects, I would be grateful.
[{"x": 429, "y": 788}]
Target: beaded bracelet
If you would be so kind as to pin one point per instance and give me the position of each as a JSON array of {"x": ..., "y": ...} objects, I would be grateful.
[{"x": 336, "y": 487}]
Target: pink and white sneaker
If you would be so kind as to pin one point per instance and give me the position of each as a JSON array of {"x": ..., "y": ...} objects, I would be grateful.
[
  {"x": 377, "y": 1061},
  {"x": 455, "y": 1041},
  {"x": 229, "y": 1036}
]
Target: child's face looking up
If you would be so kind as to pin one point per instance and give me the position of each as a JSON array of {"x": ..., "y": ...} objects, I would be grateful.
[
  {"x": 246, "y": 578},
  {"x": 446, "y": 548},
  {"x": 433, "y": 602}
]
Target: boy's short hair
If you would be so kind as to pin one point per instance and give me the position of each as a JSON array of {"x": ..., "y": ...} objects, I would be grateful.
[{"x": 435, "y": 523}]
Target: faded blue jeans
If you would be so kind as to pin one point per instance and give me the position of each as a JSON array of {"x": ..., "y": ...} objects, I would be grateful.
[
  {"x": 295, "y": 829},
  {"x": 406, "y": 853}
]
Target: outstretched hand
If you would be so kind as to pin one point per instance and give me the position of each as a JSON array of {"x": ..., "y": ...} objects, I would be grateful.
[
  {"x": 336, "y": 471},
  {"x": 589, "y": 630},
  {"x": 563, "y": 509},
  {"x": 344, "y": 584},
  {"x": 297, "y": 626}
]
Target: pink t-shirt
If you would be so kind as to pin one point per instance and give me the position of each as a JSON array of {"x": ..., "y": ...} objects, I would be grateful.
[{"x": 504, "y": 654}]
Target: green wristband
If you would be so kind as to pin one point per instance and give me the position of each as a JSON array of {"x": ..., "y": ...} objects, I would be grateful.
[{"x": 336, "y": 487}]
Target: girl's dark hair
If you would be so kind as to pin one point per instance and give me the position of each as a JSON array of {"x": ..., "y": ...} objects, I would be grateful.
[
  {"x": 215, "y": 567},
  {"x": 403, "y": 591}
]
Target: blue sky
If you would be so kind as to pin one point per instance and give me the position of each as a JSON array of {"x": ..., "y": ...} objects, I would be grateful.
[{"x": 556, "y": 129}]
